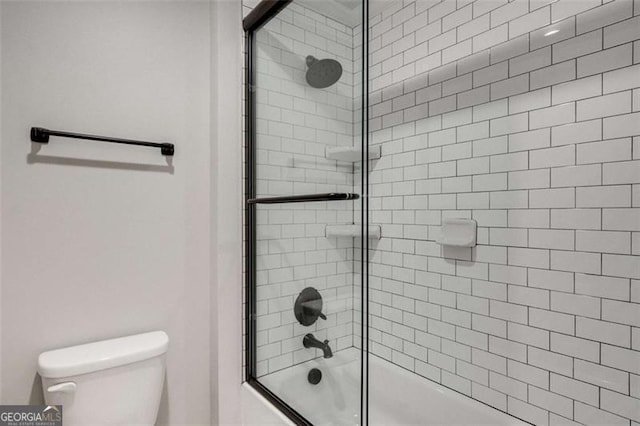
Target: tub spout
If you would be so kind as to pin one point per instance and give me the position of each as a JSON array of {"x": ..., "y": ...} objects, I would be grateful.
[{"x": 309, "y": 341}]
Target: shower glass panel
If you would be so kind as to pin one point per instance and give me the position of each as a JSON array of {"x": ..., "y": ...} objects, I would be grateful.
[
  {"x": 304, "y": 210},
  {"x": 506, "y": 282}
]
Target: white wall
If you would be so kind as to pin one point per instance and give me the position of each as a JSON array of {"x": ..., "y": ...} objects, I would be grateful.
[
  {"x": 93, "y": 250},
  {"x": 226, "y": 212}
]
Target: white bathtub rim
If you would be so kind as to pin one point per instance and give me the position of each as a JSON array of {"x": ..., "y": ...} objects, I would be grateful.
[{"x": 250, "y": 417}]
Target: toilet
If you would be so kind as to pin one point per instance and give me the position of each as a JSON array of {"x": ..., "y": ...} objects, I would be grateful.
[{"x": 110, "y": 382}]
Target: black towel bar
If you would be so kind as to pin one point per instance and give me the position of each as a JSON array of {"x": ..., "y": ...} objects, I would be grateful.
[{"x": 41, "y": 135}]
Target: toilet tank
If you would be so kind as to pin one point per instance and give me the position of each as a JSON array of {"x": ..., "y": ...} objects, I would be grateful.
[{"x": 111, "y": 382}]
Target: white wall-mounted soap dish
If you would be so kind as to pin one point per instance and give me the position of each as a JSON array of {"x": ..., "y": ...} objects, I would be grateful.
[{"x": 458, "y": 233}]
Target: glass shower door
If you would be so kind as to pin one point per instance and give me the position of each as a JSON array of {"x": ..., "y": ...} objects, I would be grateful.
[{"x": 303, "y": 210}]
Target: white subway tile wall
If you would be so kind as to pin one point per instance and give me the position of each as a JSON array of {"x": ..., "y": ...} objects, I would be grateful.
[{"x": 525, "y": 116}]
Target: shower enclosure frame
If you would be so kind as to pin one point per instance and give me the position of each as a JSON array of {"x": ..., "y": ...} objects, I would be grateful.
[{"x": 258, "y": 17}]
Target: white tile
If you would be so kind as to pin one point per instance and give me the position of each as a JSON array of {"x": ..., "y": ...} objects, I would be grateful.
[
  {"x": 474, "y": 27},
  {"x": 509, "y": 162},
  {"x": 565, "y": 8},
  {"x": 490, "y": 182},
  {"x": 508, "y": 386},
  {"x": 510, "y": 124},
  {"x": 603, "y": 331},
  {"x": 577, "y": 46},
  {"x": 622, "y": 32},
  {"x": 551, "y": 280},
  {"x": 473, "y": 97},
  {"x": 526, "y": 411},
  {"x": 576, "y": 176},
  {"x": 509, "y": 87},
  {"x": 529, "y": 297},
  {"x": 621, "y": 312},
  {"x": 552, "y": 198},
  {"x": 551, "y": 401},
  {"x": 508, "y": 349},
  {"x": 621, "y": 79},
  {"x": 576, "y": 262},
  {"x": 553, "y": 33},
  {"x": 440, "y": 10},
  {"x": 523, "y": 373},
  {"x": 530, "y": 101},
  {"x": 621, "y": 172},
  {"x": 606, "y": 60},
  {"x": 528, "y": 179},
  {"x": 551, "y": 238},
  {"x": 602, "y": 16},
  {"x": 552, "y": 116},
  {"x": 490, "y": 38},
  {"x": 603, "y": 241},
  {"x": 529, "y": 218},
  {"x": 578, "y": 89},
  {"x": 576, "y": 218},
  {"x": 486, "y": 7},
  {"x": 510, "y": 49},
  {"x": 604, "y": 196},
  {"x": 552, "y": 157},
  {"x": 508, "y": 237},
  {"x": 509, "y": 12},
  {"x": 574, "y": 389},
  {"x": 620, "y": 126},
  {"x": 576, "y": 133},
  {"x": 489, "y": 146},
  {"x": 621, "y": 219},
  {"x": 592, "y": 416},
  {"x": 598, "y": 286},
  {"x": 529, "y": 22},
  {"x": 549, "y": 320},
  {"x": 529, "y": 257},
  {"x": 490, "y": 74},
  {"x": 490, "y": 110},
  {"x": 621, "y": 266},
  {"x": 457, "y": 18},
  {"x": 621, "y": 358},
  {"x": 550, "y": 361},
  {"x": 621, "y": 404},
  {"x": 575, "y": 347},
  {"x": 604, "y": 106},
  {"x": 523, "y": 141},
  {"x": 606, "y": 151},
  {"x": 456, "y": 51},
  {"x": 442, "y": 41},
  {"x": 554, "y": 74},
  {"x": 601, "y": 376}
]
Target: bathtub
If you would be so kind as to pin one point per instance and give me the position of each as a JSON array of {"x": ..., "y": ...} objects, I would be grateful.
[{"x": 396, "y": 396}]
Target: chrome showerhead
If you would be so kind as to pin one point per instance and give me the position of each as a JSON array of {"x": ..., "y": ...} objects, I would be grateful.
[{"x": 322, "y": 73}]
